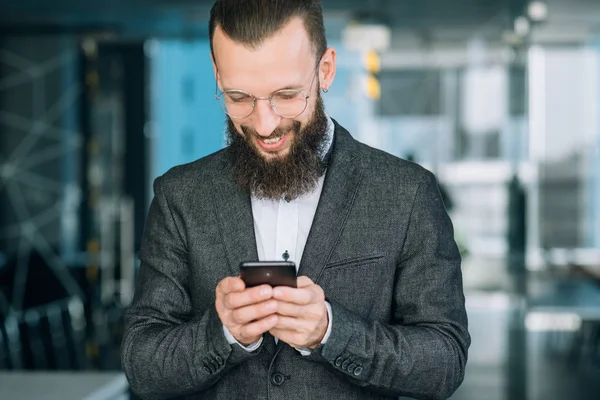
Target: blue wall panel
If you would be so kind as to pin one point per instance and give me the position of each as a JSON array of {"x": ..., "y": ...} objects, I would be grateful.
[
  {"x": 340, "y": 101},
  {"x": 188, "y": 122}
]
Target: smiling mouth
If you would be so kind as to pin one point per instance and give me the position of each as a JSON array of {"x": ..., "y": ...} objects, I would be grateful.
[
  {"x": 272, "y": 140},
  {"x": 273, "y": 144}
]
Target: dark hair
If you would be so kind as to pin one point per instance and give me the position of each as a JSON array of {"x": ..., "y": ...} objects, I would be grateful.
[{"x": 250, "y": 22}]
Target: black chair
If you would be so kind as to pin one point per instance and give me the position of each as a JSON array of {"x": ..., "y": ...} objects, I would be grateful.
[
  {"x": 58, "y": 337},
  {"x": 12, "y": 342},
  {"x": 4, "y": 363},
  {"x": 50, "y": 336},
  {"x": 34, "y": 334}
]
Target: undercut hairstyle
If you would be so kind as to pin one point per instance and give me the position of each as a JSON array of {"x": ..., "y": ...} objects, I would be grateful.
[{"x": 251, "y": 22}]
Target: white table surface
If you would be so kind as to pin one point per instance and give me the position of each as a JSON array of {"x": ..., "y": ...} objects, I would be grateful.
[{"x": 63, "y": 385}]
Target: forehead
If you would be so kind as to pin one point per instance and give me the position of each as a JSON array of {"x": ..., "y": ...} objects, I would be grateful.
[{"x": 282, "y": 60}]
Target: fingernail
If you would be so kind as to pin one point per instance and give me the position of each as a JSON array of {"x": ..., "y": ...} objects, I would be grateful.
[
  {"x": 277, "y": 292},
  {"x": 265, "y": 291}
]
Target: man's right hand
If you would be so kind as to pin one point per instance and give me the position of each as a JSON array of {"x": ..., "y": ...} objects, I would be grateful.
[{"x": 246, "y": 313}]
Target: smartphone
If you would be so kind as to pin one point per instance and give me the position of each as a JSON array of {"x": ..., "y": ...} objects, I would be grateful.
[{"x": 274, "y": 273}]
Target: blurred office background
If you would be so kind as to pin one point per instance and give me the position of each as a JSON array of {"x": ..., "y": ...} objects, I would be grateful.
[{"x": 500, "y": 98}]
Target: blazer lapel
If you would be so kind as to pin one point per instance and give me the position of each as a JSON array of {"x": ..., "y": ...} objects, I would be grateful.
[
  {"x": 234, "y": 213},
  {"x": 339, "y": 191}
]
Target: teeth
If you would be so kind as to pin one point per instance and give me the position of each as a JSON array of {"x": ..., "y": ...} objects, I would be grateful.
[{"x": 272, "y": 141}]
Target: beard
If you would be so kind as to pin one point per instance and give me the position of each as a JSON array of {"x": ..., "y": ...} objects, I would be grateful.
[{"x": 289, "y": 176}]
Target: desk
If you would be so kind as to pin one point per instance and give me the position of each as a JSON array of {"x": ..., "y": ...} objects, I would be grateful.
[
  {"x": 567, "y": 295},
  {"x": 568, "y": 308},
  {"x": 63, "y": 385}
]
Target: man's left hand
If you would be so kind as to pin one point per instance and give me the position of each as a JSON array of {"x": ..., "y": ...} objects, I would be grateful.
[{"x": 302, "y": 315}]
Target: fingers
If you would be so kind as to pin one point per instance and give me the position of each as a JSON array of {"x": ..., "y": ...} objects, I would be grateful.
[
  {"x": 295, "y": 296},
  {"x": 247, "y": 313},
  {"x": 230, "y": 285},
  {"x": 257, "y": 328},
  {"x": 295, "y": 315},
  {"x": 301, "y": 333},
  {"x": 311, "y": 312},
  {"x": 292, "y": 324},
  {"x": 249, "y": 296},
  {"x": 301, "y": 296},
  {"x": 303, "y": 281},
  {"x": 244, "y": 315}
]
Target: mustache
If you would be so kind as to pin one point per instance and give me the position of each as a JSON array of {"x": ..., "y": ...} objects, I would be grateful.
[{"x": 277, "y": 133}]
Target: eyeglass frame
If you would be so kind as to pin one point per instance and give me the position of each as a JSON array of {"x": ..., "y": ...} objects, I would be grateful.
[{"x": 254, "y": 98}]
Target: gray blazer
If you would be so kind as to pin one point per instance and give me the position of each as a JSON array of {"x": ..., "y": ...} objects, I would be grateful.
[{"x": 381, "y": 246}]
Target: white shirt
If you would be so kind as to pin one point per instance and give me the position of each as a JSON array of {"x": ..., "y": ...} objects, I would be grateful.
[{"x": 281, "y": 226}]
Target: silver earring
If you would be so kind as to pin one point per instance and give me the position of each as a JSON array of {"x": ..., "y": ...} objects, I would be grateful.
[{"x": 325, "y": 90}]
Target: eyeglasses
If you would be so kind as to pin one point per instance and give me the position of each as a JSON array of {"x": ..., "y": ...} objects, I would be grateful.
[{"x": 287, "y": 103}]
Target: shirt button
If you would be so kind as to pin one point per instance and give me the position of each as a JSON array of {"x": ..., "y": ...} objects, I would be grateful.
[
  {"x": 345, "y": 364},
  {"x": 338, "y": 361},
  {"x": 277, "y": 379},
  {"x": 351, "y": 367},
  {"x": 358, "y": 370}
]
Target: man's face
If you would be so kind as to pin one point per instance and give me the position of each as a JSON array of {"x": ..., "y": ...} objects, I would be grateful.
[
  {"x": 274, "y": 156},
  {"x": 284, "y": 61}
]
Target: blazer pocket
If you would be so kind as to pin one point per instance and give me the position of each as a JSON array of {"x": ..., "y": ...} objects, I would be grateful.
[
  {"x": 354, "y": 262},
  {"x": 358, "y": 283}
]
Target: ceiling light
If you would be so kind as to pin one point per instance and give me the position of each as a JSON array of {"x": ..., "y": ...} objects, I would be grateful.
[
  {"x": 537, "y": 11},
  {"x": 521, "y": 26}
]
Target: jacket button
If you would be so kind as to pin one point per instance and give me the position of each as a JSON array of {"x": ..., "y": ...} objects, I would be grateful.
[
  {"x": 277, "y": 379},
  {"x": 351, "y": 367},
  {"x": 345, "y": 364},
  {"x": 358, "y": 370},
  {"x": 338, "y": 361}
]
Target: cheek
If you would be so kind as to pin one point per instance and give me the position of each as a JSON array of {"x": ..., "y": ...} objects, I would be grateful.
[
  {"x": 289, "y": 126},
  {"x": 307, "y": 115},
  {"x": 238, "y": 127}
]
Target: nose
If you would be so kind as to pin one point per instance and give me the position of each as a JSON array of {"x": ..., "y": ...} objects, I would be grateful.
[{"x": 265, "y": 119}]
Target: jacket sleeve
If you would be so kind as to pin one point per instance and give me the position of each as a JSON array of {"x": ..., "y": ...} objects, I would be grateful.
[
  {"x": 422, "y": 351},
  {"x": 168, "y": 349}
]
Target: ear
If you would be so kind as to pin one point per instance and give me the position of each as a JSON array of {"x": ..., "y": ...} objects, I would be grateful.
[{"x": 327, "y": 68}]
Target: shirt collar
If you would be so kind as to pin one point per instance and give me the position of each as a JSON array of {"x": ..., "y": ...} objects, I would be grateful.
[{"x": 328, "y": 138}]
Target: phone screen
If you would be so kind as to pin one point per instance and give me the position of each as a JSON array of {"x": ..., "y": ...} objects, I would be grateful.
[{"x": 274, "y": 273}]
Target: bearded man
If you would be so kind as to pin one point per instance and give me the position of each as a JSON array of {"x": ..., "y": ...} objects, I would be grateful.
[{"x": 378, "y": 311}]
